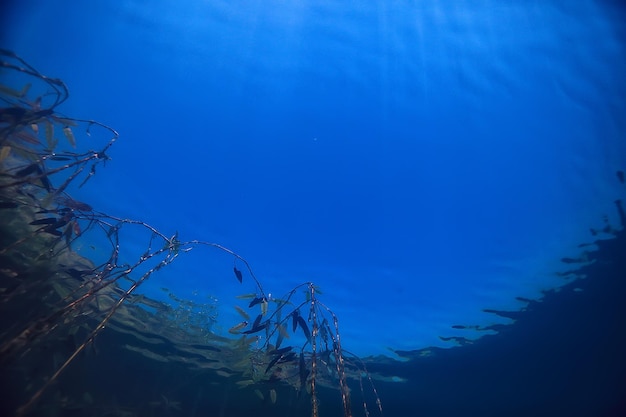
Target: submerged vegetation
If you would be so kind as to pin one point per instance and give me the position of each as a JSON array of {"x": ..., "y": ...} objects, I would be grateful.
[{"x": 66, "y": 279}]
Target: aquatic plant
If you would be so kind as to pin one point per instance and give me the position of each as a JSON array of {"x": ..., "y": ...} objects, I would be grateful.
[{"x": 44, "y": 235}]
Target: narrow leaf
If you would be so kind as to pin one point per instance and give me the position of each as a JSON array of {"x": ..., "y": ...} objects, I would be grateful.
[
  {"x": 280, "y": 352},
  {"x": 46, "y": 183},
  {"x": 238, "y": 274},
  {"x": 256, "y": 301},
  {"x": 4, "y": 152},
  {"x": 273, "y": 395},
  {"x": 279, "y": 340},
  {"x": 28, "y": 138},
  {"x": 304, "y": 373},
  {"x": 242, "y": 312},
  {"x": 256, "y": 329},
  {"x": 68, "y": 234},
  {"x": 257, "y": 326},
  {"x": 28, "y": 170},
  {"x": 295, "y": 316},
  {"x": 282, "y": 329},
  {"x": 246, "y": 296},
  {"x": 76, "y": 228},
  {"x": 49, "y": 220},
  {"x": 272, "y": 363},
  {"x": 25, "y": 90},
  {"x": 236, "y": 328},
  {"x": 53, "y": 231},
  {"x": 304, "y": 328},
  {"x": 10, "y": 91},
  {"x": 65, "y": 121},
  {"x": 259, "y": 394},
  {"x": 257, "y": 321},
  {"x": 52, "y": 143}
]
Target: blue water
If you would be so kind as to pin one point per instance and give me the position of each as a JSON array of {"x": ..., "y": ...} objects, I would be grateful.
[{"x": 419, "y": 161}]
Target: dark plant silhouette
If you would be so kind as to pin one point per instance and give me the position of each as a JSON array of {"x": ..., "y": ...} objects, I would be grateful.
[{"x": 42, "y": 225}]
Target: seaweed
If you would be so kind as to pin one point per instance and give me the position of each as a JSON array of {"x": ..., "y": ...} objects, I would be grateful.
[{"x": 43, "y": 225}]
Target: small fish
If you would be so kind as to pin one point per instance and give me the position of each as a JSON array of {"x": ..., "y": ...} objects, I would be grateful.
[
  {"x": 238, "y": 274},
  {"x": 620, "y": 176}
]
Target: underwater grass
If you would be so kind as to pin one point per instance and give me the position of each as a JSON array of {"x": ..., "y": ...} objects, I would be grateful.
[{"x": 293, "y": 340}]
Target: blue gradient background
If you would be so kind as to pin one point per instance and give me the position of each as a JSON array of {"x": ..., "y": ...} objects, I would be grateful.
[{"x": 419, "y": 161}]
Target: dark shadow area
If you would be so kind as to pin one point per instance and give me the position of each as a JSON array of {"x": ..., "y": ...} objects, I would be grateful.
[{"x": 564, "y": 355}]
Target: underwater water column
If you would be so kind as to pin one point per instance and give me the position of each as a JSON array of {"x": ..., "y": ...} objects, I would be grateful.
[{"x": 421, "y": 163}]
